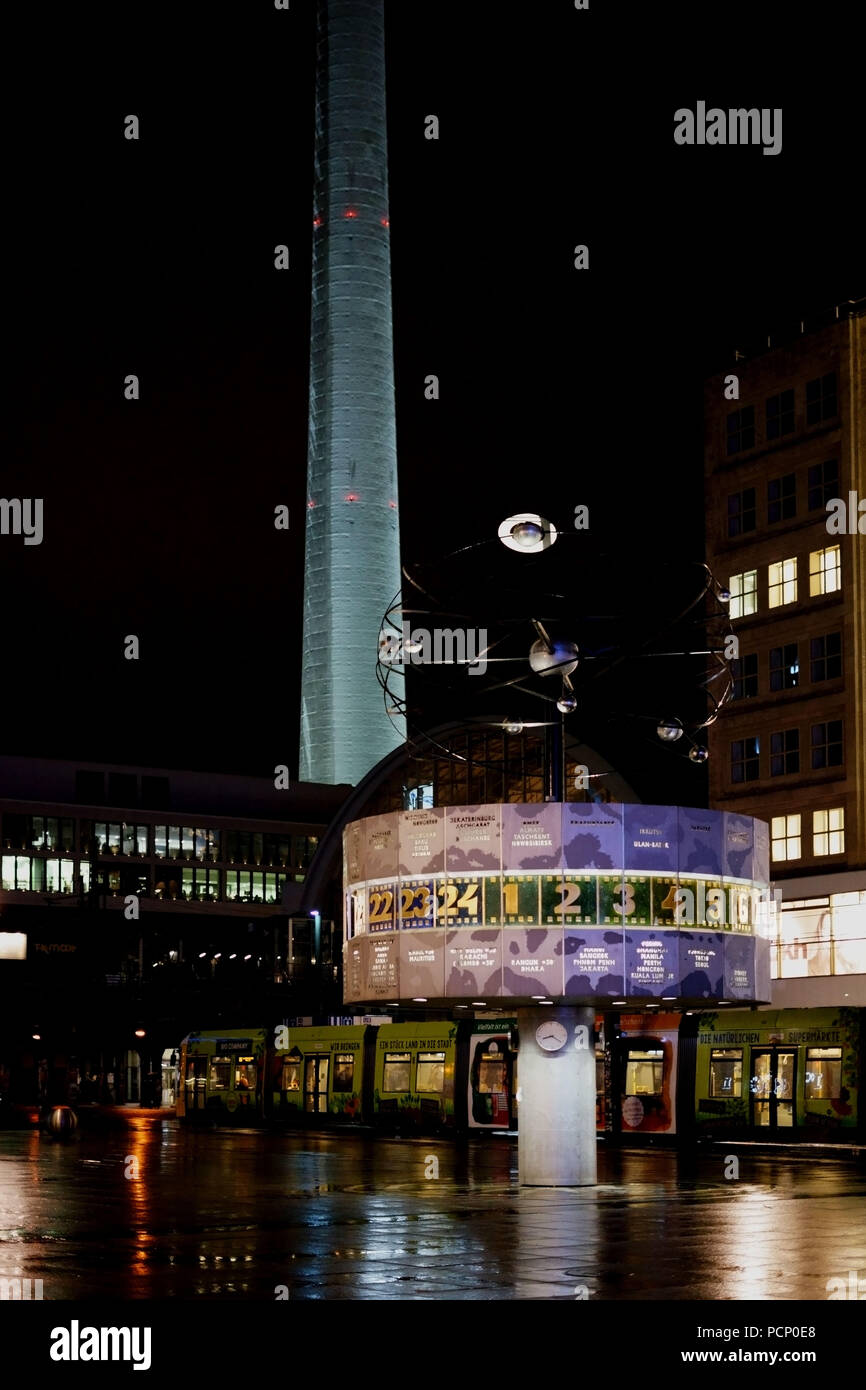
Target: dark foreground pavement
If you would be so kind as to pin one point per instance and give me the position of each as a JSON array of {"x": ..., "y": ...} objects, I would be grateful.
[{"x": 144, "y": 1209}]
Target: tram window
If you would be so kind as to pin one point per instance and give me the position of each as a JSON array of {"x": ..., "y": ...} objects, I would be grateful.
[
  {"x": 491, "y": 1073},
  {"x": 431, "y": 1071},
  {"x": 291, "y": 1076},
  {"x": 245, "y": 1074},
  {"x": 823, "y": 1073},
  {"x": 726, "y": 1072},
  {"x": 396, "y": 1073},
  {"x": 344, "y": 1071},
  {"x": 643, "y": 1073},
  {"x": 220, "y": 1073}
]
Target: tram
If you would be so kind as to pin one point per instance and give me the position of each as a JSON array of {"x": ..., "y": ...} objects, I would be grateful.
[
  {"x": 790, "y": 1073},
  {"x": 785, "y": 1074},
  {"x": 419, "y": 1076}
]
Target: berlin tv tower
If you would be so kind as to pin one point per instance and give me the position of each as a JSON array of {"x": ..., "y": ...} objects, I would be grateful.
[{"x": 352, "y": 557}]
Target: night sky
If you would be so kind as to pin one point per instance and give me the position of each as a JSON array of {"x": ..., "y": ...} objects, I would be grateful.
[{"x": 557, "y": 387}]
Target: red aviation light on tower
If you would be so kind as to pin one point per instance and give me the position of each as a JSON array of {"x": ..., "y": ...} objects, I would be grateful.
[
  {"x": 393, "y": 504},
  {"x": 352, "y": 497},
  {"x": 311, "y": 504},
  {"x": 317, "y": 221},
  {"x": 385, "y": 222},
  {"x": 350, "y": 212}
]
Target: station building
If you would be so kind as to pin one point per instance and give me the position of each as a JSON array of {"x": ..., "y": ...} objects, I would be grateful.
[{"x": 136, "y": 901}]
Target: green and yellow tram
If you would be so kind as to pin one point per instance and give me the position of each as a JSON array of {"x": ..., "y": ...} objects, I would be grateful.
[{"x": 789, "y": 1073}]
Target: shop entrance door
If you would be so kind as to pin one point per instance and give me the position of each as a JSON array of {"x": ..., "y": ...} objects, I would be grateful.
[
  {"x": 772, "y": 1087},
  {"x": 316, "y": 1084}
]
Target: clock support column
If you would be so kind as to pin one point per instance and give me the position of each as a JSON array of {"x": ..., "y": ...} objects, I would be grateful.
[{"x": 556, "y": 1111}]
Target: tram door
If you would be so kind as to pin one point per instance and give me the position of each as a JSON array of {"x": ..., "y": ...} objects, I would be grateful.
[
  {"x": 490, "y": 1083},
  {"x": 196, "y": 1081},
  {"x": 316, "y": 1084},
  {"x": 772, "y": 1087}
]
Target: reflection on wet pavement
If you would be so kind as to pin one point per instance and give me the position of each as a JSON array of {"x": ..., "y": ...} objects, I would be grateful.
[{"x": 252, "y": 1215}]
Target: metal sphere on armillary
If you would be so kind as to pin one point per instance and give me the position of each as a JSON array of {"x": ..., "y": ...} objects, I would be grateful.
[
  {"x": 561, "y": 660},
  {"x": 566, "y": 705},
  {"x": 669, "y": 730},
  {"x": 527, "y": 534},
  {"x": 698, "y": 754}
]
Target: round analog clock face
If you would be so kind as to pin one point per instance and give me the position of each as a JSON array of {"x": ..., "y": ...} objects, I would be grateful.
[{"x": 551, "y": 1036}]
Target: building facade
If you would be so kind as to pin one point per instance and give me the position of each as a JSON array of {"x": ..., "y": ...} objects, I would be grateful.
[
  {"x": 148, "y": 902},
  {"x": 785, "y": 463}
]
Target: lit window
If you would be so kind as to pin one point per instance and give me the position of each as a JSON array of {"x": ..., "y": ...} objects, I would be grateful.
[
  {"x": 291, "y": 1077},
  {"x": 828, "y": 831},
  {"x": 825, "y": 571},
  {"x": 827, "y": 744},
  {"x": 744, "y": 593},
  {"x": 784, "y": 753},
  {"x": 726, "y": 1072},
  {"x": 644, "y": 1072},
  {"x": 745, "y": 760},
  {"x": 849, "y": 932},
  {"x": 431, "y": 1072},
  {"x": 782, "y": 583},
  {"x": 220, "y": 1073},
  {"x": 395, "y": 1075},
  {"x": 785, "y": 842},
  {"x": 823, "y": 1073},
  {"x": 492, "y": 1075}
]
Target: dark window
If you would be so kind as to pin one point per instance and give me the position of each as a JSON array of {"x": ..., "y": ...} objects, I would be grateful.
[
  {"x": 784, "y": 752},
  {"x": 90, "y": 788},
  {"x": 16, "y": 832},
  {"x": 826, "y": 656},
  {"x": 780, "y": 414},
  {"x": 745, "y": 765},
  {"x": 821, "y": 399},
  {"x": 782, "y": 498},
  {"x": 344, "y": 1071},
  {"x": 122, "y": 789},
  {"x": 827, "y": 744},
  {"x": 823, "y": 483},
  {"x": 745, "y": 673},
  {"x": 784, "y": 667},
  {"x": 155, "y": 793},
  {"x": 741, "y": 429},
  {"x": 741, "y": 512}
]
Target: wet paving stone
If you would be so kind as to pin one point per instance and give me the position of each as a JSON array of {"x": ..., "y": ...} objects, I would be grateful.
[{"x": 217, "y": 1215}]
